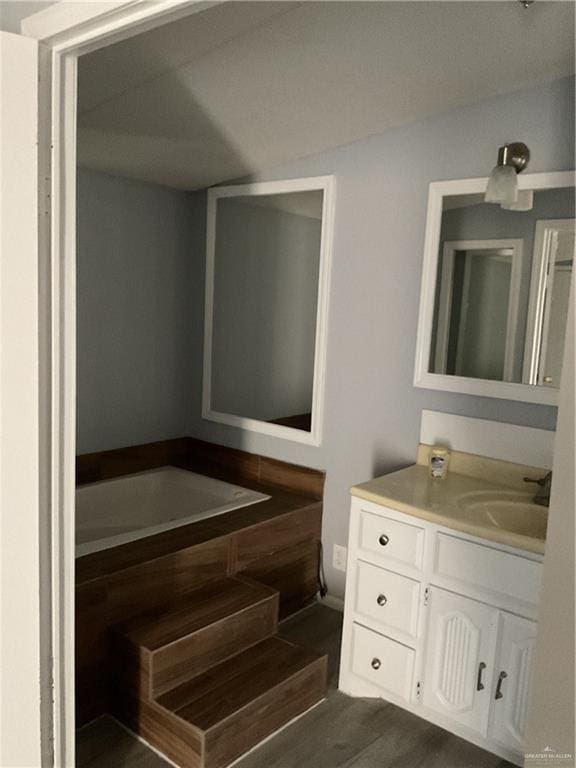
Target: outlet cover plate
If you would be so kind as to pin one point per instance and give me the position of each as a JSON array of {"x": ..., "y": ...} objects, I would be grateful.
[{"x": 339, "y": 557}]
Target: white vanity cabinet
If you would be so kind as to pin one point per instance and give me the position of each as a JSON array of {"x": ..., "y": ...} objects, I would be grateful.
[
  {"x": 441, "y": 623},
  {"x": 512, "y": 681},
  {"x": 459, "y": 658}
]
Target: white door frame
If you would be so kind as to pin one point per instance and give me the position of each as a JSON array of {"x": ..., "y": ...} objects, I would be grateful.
[
  {"x": 66, "y": 31},
  {"x": 451, "y": 247},
  {"x": 540, "y": 286}
]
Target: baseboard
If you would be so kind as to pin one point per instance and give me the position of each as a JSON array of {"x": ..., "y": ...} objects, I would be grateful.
[{"x": 330, "y": 601}]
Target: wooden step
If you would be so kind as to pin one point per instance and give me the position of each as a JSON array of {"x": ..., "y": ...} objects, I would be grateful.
[
  {"x": 233, "y": 706},
  {"x": 158, "y": 650},
  {"x": 204, "y": 679}
]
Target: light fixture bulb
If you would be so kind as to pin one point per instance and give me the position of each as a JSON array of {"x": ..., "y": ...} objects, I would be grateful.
[
  {"x": 525, "y": 201},
  {"x": 502, "y": 185}
]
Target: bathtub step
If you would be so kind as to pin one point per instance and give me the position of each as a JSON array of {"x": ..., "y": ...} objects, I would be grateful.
[
  {"x": 158, "y": 650},
  {"x": 238, "y": 703}
]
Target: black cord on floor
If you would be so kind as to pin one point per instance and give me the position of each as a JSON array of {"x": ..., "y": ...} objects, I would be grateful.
[{"x": 322, "y": 588}]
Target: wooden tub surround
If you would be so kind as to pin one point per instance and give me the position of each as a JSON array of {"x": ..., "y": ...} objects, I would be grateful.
[{"x": 177, "y": 632}]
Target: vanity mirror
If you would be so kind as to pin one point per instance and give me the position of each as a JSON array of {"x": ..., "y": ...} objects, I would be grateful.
[
  {"x": 268, "y": 258},
  {"x": 496, "y": 289}
]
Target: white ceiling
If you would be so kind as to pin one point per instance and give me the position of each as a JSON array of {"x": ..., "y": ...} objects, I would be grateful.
[{"x": 245, "y": 86}]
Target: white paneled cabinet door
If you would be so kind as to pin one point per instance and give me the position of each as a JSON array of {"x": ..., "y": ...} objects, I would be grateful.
[
  {"x": 458, "y": 666},
  {"x": 512, "y": 681}
]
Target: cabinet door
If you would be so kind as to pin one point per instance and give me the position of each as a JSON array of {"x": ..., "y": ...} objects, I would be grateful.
[
  {"x": 512, "y": 681},
  {"x": 459, "y": 658}
]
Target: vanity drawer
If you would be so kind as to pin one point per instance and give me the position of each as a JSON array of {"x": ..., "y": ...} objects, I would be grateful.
[
  {"x": 382, "y": 661},
  {"x": 387, "y": 598},
  {"x": 487, "y": 569},
  {"x": 391, "y": 540}
]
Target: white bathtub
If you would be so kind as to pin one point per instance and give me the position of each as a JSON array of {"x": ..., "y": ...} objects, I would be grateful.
[{"x": 124, "y": 509}]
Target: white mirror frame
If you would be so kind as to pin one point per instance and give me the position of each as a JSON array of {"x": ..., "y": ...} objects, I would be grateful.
[
  {"x": 481, "y": 387},
  {"x": 327, "y": 185}
]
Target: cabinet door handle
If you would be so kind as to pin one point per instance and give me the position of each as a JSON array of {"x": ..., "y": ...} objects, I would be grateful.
[
  {"x": 501, "y": 677},
  {"x": 375, "y": 663},
  {"x": 479, "y": 683},
  {"x": 381, "y": 599},
  {"x": 384, "y": 539}
]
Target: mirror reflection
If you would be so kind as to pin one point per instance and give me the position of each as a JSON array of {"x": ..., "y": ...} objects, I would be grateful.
[
  {"x": 265, "y": 305},
  {"x": 502, "y": 288}
]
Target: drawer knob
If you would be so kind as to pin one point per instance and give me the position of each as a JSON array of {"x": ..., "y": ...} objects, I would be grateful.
[
  {"x": 384, "y": 539},
  {"x": 381, "y": 599},
  {"x": 376, "y": 663}
]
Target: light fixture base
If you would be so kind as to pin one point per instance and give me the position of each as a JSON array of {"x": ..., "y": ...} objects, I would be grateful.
[{"x": 516, "y": 154}]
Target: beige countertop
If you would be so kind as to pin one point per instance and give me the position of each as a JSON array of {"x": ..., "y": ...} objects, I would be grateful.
[{"x": 447, "y": 502}]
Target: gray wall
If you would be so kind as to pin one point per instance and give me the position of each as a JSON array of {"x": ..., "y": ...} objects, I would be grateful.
[
  {"x": 135, "y": 283},
  {"x": 13, "y": 11},
  {"x": 372, "y": 414},
  {"x": 480, "y": 222},
  {"x": 265, "y": 299}
]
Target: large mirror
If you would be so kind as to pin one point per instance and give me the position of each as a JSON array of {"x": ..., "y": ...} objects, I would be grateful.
[
  {"x": 266, "y": 302},
  {"x": 496, "y": 289}
]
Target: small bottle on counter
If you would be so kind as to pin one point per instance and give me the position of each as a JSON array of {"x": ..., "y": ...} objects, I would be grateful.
[{"x": 439, "y": 459}]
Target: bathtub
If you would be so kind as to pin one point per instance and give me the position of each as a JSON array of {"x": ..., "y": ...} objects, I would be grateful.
[{"x": 124, "y": 509}]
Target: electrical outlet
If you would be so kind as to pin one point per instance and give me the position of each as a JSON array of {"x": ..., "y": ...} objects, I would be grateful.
[{"x": 339, "y": 557}]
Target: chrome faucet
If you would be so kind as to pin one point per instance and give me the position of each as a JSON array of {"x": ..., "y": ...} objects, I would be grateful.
[{"x": 542, "y": 495}]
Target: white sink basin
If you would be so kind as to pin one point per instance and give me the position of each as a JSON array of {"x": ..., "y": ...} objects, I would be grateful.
[{"x": 509, "y": 511}]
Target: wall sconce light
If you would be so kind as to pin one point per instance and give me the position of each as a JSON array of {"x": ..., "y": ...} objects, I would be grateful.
[{"x": 503, "y": 185}]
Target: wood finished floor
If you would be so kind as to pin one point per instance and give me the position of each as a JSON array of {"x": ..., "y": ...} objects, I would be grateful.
[{"x": 339, "y": 733}]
